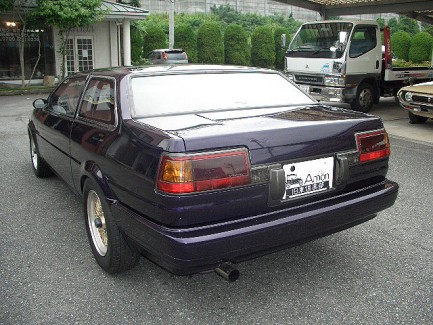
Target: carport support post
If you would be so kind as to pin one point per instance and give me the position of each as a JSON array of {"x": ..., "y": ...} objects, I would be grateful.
[
  {"x": 126, "y": 43},
  {"x": 171, "y": 25}
]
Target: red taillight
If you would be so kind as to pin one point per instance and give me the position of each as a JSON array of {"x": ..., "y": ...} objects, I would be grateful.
[
  {"x": 373, "y": 145},
  {"x": 188, "y": 173}
]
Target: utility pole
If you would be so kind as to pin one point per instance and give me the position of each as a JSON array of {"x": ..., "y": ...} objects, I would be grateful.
[{"x": 171, "y": 25}]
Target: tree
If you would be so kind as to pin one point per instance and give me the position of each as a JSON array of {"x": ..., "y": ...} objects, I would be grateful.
[
  {"x": 185, "y": 39},
  {"x": 409, "y": 25},
  {"x": 154, "y": 38},
  {"x": 210, "y": 45},
  {"x": 280, "y": 53},
  {"x": 67, "y": 15},
  {"x": 263, "y": 47},
  {"x": 401, "y": 44},
  {"x": 132, "y": 3},
  {"x": 236, "y": 48}
]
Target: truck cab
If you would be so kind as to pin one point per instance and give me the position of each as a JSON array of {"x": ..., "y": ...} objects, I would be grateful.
[{"x": 337, "y": 61}]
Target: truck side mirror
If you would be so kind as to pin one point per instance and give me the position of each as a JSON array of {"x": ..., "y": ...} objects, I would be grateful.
[{"x": 283, "y": 41}]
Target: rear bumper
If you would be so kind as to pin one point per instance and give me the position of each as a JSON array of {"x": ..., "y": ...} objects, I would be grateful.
[{"x": 197, "y": 249}]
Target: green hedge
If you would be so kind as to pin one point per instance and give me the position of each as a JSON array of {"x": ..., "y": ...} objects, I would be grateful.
[
  {"x": 154, "y": 38},
  {"x": 210, "y": 45},
  {"x": 136, "y": 45},
  {"x": 263, "y": 47},
  {"x": 421, "y": 47},
  {"x": 280, "y": 53},
  {"x": 401, "y": 44},
  {"x": 185, "y": 38},
  {"x": 236, "y": 48}
]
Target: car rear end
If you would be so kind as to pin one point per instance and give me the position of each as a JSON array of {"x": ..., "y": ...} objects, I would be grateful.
[
  {"x": 175, "y": 56},
  {"x": 251, "y": 181}
]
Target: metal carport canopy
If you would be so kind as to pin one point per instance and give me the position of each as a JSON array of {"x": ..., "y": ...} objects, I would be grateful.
[{"x": 421, "y": 10}]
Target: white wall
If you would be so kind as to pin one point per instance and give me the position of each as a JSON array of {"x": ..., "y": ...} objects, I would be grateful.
[{"x": 104, "y": 44}]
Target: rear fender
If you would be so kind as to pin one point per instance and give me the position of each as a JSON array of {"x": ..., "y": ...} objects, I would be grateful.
[{"x": 91, "y": 170}]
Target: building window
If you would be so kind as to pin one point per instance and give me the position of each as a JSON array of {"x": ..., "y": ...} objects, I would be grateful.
[
  {"x": 79, "y": 54},
  {"x": 34, "y": 40}
]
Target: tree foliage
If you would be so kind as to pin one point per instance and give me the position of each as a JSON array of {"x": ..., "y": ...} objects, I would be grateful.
[
  {"x": 401, "y": 44},
  {"x": 227, "y": 15},
  {"x": 263, "y": 47},
  {"x": 210, "y": 44},
  {"x": 421, "y": 47},
  {"x": 236, "y": 48},
  {"x": 185, "y": 38}
]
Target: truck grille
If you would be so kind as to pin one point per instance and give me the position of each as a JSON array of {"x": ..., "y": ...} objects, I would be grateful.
[{"x": 309, "y": 79}]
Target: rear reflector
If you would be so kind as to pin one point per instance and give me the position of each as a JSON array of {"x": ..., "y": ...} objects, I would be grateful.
[
  {"x": 188, "y": 173},
  {"x": 373, "y": 145}
]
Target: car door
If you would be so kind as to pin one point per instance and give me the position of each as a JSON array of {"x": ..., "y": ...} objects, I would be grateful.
[
  {"x": 95, "y": 127},
  {"x": 54, "y": 125}
]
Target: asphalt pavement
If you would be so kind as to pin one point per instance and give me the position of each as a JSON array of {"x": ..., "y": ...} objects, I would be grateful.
[{"x": 380, "y": 272}]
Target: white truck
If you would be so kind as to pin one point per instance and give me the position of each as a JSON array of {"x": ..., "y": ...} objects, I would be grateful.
[{"x": 344, "y": 61}]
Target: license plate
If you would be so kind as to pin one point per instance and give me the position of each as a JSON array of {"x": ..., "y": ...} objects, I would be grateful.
[
  {"x": 309, "y": 177},
  {"x": 305, "y": 88}
]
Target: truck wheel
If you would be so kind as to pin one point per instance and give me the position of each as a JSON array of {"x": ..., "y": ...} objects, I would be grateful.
[
  {"x": 416, "y": 119},
  {"x": 109, "y": 247},
  {"x": 39, "y": 166},
  {"x": 364, "y": 98}
]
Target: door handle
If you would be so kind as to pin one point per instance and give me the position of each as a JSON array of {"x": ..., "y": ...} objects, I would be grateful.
[{"x": 377, "y": 64}]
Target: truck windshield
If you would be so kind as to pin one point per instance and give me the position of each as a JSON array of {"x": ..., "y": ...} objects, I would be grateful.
[{"x": 320, "y": 40}]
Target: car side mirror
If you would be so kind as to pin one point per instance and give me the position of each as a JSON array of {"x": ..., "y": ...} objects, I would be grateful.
[{"x": 40, "y": 103}]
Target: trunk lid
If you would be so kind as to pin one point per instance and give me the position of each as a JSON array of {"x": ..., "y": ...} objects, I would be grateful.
[{"x": 271, "y": 134}]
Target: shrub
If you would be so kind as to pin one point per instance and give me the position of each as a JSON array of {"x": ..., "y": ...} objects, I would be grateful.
[
  {"x": 154, "y": 38},
  {"x": 280, "y": 53},
  {"x": 210, "y": 45},
  {"x": 185, "y": 38},
  {"x": 263, "y": 47},
  {"x": 421, "y": 47},
  {"x": 236, "y": 48},
  {"x": 400, "y": 42}
]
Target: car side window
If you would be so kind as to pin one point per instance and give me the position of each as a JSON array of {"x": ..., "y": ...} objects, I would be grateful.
[
  {"x": 65, "y": 98},
  {"x": 98, "y": 101},
  {"x": 363, "y": 40}
]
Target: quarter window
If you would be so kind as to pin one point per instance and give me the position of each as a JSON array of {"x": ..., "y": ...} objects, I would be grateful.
[{"x": 98, "y": 101}]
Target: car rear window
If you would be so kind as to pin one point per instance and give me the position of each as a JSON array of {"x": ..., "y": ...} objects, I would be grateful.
[
  {"x": 199, "y": 92},
  {"x": 176, "y": 55}
]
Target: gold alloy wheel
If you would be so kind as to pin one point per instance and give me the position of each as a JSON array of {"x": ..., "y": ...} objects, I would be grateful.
[{"x": 96, "y": 221}]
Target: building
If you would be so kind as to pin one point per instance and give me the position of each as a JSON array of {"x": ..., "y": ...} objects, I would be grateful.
[{"x": 103, "y": 44}]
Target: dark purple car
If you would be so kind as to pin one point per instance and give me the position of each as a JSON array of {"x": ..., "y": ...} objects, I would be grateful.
[{"x": 193, "y": 166}]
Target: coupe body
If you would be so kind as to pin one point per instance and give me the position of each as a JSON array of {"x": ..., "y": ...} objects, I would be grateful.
[
  {"x": 418, "y": 101},
  {"x": 196, "y": 166}
]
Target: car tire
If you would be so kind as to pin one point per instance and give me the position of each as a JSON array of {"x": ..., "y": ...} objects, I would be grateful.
[
  {"x": 109, "y": 247},
  {"x": 364, "y": 99},
  {"x": 39, "y": 166},
  {"x": 416, "y": 119}
]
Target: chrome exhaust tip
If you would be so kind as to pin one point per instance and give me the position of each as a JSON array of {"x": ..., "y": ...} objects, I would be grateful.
[{"x": 228, "y": 272}]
